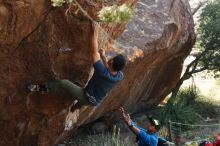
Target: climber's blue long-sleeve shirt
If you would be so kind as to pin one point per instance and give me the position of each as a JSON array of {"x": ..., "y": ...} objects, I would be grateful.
[{"x": 101, "y": 83}]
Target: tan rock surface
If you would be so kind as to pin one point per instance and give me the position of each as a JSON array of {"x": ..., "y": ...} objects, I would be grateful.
[{"x": 39, "y": 43}]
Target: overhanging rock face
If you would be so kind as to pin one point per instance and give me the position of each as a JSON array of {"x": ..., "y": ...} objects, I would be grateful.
[{"x": 39, "y": 43}]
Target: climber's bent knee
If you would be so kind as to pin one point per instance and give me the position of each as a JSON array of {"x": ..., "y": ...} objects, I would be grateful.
[{"x": 64, "y": 82}]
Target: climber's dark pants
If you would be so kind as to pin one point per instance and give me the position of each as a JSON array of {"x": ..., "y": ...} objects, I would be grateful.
[{"x": 75, "y": 91}]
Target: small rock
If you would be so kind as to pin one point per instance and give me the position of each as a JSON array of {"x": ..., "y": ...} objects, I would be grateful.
[{"x": 61, "y": 145}]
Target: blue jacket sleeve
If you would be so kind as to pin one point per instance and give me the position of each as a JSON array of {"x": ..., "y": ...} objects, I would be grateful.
[
  {"x": 99, "y": 67},
  {"x": 135, "y": 124},
  {"x": 102, "y": 70}
]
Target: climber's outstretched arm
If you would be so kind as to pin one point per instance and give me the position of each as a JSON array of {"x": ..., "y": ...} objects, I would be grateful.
[
  {"x": 95, "y": 52},
  {"x": 128, "y": 121}
]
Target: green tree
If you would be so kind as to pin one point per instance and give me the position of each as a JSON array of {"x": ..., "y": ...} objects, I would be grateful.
[
  {"x": 207, "y": 57},
  {"x": 209, "y": 32}
]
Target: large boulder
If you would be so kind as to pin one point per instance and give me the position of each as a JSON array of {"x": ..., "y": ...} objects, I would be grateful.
[{"x": 39, "y": 43}]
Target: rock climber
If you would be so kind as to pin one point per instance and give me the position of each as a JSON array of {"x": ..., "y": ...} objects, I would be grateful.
[
  {"x": 146, "y": 137},
  {"x": 107, "y": 73}
]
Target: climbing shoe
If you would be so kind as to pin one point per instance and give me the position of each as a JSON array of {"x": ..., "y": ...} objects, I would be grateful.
[
  {"x": 38, "y": 88},
  {"x": 33, "y": 88}
]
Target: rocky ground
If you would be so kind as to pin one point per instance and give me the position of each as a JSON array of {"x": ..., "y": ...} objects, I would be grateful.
[{"x": 91, "y": 136}]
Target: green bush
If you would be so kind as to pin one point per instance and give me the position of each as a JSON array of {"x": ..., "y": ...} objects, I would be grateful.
[
  {"x": 205, "y": 107},
  {"x": 181, "y": 108},
  {"x": 108, "y": 14},
  {"x": 59, "y": 3},
  {"x": 116, "y": 14}
]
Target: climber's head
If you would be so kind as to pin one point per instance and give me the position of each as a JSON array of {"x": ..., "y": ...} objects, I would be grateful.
[
  {"x": 153, "y": 125},
  {"x": 117, "y": 63}
]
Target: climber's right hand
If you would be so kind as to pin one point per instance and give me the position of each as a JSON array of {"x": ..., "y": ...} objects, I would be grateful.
[{"x": 102, "y": 52}]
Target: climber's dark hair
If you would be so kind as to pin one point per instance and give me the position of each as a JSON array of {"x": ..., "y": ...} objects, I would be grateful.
[{"x": 119, "y": 62}]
